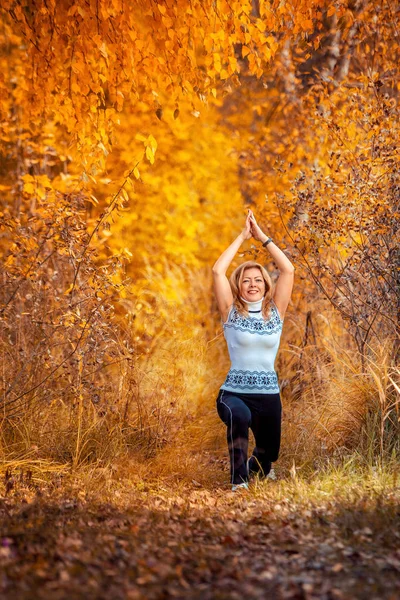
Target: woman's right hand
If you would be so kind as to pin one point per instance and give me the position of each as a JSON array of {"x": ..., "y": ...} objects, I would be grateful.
[{"x": 246, "y": 232}]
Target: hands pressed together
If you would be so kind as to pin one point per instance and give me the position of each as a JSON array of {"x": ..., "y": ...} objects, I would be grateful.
[
  {"x": 283, "y": 284},
  {"x": 252, "y": 229}
]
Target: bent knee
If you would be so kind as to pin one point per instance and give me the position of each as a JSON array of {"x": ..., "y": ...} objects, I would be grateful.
[{"x": 241, "y": 416}]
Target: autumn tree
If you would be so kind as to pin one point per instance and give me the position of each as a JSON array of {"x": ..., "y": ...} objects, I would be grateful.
[
  {"x": 72, "y": 74},
  {"x": 322, "y": 146},
  {"x": 131, "y": 135}
]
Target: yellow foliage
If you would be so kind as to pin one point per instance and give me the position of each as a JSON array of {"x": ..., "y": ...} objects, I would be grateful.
[{"x": 96, "y": 158}]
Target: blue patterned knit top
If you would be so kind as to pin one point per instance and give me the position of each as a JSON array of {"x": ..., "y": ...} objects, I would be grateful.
[{"x": 253, "y": 344}]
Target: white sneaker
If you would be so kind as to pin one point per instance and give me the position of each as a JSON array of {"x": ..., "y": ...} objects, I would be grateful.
[
  {"x": 240, "y": 486},
  {"x": 271, "y": 475}
]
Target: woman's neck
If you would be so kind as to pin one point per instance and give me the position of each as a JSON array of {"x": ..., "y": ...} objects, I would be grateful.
[{"x": 253, "y": 305}]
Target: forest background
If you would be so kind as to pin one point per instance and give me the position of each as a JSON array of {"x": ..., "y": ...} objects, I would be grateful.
[{"x": 133, "y": 137}]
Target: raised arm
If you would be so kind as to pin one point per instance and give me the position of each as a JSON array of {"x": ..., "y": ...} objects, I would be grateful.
[
  {"x": 222, "y": 288},
  {"x": 284, "y": 285}
]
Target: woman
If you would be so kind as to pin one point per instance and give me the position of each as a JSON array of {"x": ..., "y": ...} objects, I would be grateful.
[{"x": 252, "y": 312}]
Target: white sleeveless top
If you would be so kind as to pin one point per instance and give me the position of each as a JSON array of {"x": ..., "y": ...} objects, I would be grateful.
[{"x": 253, "y": 344}]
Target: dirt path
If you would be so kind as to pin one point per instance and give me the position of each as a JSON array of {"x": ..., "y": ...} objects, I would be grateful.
[{"x": 200, "y": 545}]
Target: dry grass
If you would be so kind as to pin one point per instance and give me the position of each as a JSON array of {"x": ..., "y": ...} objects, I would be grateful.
[
  {"x": 333, "y": 408},
  {"x": 150, "y": 413}
]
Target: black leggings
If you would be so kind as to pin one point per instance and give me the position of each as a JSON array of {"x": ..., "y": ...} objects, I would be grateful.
[{"x": 262, "y": 414}]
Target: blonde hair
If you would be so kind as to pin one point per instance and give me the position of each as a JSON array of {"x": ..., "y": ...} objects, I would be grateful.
[{"x": 236, "y": 280}]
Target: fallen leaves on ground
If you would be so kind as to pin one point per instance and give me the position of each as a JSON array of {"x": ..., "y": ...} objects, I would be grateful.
[{"x": 198, "y": 544}]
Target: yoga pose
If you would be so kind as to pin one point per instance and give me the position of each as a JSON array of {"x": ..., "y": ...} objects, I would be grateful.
[{"x": 252, "y": 311}]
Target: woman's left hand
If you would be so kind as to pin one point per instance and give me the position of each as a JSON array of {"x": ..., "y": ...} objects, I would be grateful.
[{"x": 256, "y": 231}]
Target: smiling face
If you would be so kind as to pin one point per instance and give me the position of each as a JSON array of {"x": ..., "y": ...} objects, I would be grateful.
[{"x": 253, "y": 285}]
